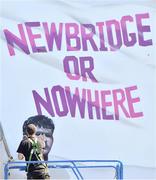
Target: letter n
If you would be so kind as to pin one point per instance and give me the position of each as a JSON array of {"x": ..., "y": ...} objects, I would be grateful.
[
  {"x": 46, "y": 104},
  {"x": 20, "y": 42}
]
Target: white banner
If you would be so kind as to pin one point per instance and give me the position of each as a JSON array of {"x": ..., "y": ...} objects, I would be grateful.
[{"x": 89, "y": 66}]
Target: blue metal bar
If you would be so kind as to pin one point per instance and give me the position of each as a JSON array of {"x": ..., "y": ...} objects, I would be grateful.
[
  {"x": 22, "y": 168},
  {"x": 6, "y": 170},
  {"x": 75, "y": 173},
  {"x": 121, "y": 170},
  {"x": 100, "y": 166},
  {"x": 116, "y": 161},
  {"x": 65, "y": 166},
  {"x": 75, "y": 168}
]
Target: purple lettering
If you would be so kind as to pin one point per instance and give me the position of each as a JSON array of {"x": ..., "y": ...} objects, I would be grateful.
[
  {"x": 75, "y": 100},
  {"x": 110, "y": 24},
  {"x": 101, "y": 36},
  {"x": 53, "y": 35},
  {"x": 142, "y": 29},
  {"x": 88, "y": 36},
  {"x": 106, "y": 104},
  {"x": 13, "y": 39},
  {"x": 58, "y": 95},
  {"x": 119, "y": 99},
  {"x": 127, "y": 41},
  {"x": 67, "y": 62},
  {"x": 95, "y": 104},
  {"x": 131, "y": 101},
  {"x": 87, "y": 69},
  {"x": 45, "y": 103},
  {"x": 32, "y": 37},
  {"x": 72, "y": 36}
]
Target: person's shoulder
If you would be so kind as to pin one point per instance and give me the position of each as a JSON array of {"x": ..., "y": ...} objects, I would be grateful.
[
  {"x": 23, "y": 144},
  {"x": 25, "y": 141}
]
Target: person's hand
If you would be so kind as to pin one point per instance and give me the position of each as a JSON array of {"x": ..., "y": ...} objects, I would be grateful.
[{"x": 20, "y": 156}]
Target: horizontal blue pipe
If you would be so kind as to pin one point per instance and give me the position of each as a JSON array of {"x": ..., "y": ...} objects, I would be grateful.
[{"x": 118, "y": 167}]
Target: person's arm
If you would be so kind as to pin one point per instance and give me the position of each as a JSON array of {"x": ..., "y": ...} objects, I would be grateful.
[
  {"x": 20, "y": 156},
  {"x": 21, "y": 150}
]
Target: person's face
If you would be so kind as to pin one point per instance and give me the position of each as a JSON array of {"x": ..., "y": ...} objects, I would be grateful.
[{"x": 46, "y": 135}]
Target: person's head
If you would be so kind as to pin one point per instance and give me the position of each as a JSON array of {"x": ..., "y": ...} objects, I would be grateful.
[
  {"x": 44, "y": 130},
  {"x": 31, "y": 129}
]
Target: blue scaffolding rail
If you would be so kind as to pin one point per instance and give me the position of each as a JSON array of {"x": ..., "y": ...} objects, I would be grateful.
[{"x": 74, "y": 165}]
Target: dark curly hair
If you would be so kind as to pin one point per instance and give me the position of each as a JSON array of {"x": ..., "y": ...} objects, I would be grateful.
[{"x": 39, "y": 121}]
